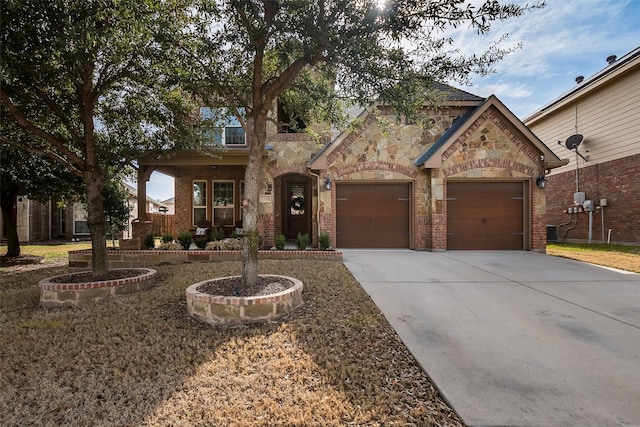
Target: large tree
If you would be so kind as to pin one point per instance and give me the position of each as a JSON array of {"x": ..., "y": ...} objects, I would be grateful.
[
  {"x": 29, "y": 175},
  {"x": 312, "y": 52},
  {"x": 90, "y": 80}
]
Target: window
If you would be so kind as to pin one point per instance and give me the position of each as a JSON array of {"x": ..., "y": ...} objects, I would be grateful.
[
  {"x": 234, "y": 136},
  {"x": 225, "y": 130},
  {"x": 223, "y": 202},
  {"x": 199, "y": 201},
  {"x": 80, "y": 225}
]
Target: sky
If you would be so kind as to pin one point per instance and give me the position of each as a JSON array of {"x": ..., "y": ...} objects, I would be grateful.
[{"x": 563, "y": 40}]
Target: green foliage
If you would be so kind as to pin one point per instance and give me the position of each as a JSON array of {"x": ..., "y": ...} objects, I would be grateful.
[
  {"x": 324, "y": 241},
  {"x": 217, "y": 233},
  {"x": 302, "y": 240},
  {"x": 167, "y": 238},
  {"x": 185, "y": 239},
  {"x": 89, "y": 85},
  {"x": 280, "y": 242},
  {"x": 149, "y": 241},
  {"x": 201, "y": 242},
  {"x": 116, "y": 207}
]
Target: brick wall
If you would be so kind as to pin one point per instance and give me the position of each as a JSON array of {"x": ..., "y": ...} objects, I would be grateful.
[{"x": 617, "y": 181}]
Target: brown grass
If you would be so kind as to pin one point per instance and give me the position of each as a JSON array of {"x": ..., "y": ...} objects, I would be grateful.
[
  {"x": 140, "y": 360},
  {"x": 615, "y": 256}
]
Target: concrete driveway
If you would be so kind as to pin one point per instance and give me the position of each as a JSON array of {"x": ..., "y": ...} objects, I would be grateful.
[{"x": 514, "y": 338}]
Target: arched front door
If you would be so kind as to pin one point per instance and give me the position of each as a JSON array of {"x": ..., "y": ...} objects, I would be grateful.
[{"x": 296, "y": 206}]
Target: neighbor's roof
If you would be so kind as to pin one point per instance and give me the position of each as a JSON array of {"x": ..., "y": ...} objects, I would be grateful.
[{"x": 589, "y": 84}]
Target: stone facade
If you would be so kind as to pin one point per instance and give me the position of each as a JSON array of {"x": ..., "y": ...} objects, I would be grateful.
[{"x": 495, "y": 145}]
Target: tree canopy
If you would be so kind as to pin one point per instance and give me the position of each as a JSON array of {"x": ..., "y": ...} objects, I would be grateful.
[
  {"x": 92, "y": 82},
  {"x": 313, "y": 53}
]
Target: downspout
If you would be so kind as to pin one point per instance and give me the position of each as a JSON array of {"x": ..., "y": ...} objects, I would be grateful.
[{"x": 50, "y": 219}]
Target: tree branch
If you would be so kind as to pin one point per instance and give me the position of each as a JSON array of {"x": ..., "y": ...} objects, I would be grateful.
[
  {"x": 27, "y": 125},
  {"x": 44, "y": 153}
]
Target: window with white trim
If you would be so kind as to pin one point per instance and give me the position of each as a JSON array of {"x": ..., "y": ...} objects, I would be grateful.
[
  {"x": 199, "y": 201},
  {"x": 226, "y": 129},
  {"x": 80, "y": 224},
  {"x": 223, "y": 203}
]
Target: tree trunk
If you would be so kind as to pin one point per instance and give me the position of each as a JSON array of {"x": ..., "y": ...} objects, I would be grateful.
[
  {"x": 97, "y": 224},
  {"x": 9, "y": 200},
  {"x": 250, "y": 203}
]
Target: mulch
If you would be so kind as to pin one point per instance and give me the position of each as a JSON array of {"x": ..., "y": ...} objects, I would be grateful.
[
  {"x": 227, "y": 286},
  {"x": 9, "y": 261},
  {"x": 85, "y": 277}
]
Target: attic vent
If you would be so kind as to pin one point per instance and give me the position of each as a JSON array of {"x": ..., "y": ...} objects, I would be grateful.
[
  {"x": 611, "y": 59},
  {"x": 579, "y": 79}
]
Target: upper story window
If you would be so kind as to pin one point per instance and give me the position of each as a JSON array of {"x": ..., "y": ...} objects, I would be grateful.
[{"x": 225, "y": 130}]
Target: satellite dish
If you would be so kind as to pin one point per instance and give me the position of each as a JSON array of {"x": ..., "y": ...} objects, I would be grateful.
[{"x": 573, "y": 141}]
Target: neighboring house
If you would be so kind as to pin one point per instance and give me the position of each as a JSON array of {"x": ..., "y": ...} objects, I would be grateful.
[
  {"x": 39, "y": 222},
  {"x": 604, "y": 111},
  {"x": 466, "y": 182},
  {"x": 170, "y": 205}
]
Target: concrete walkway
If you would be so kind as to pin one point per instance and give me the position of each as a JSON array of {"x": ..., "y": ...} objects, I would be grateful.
[{"x": 514, "y": 338}]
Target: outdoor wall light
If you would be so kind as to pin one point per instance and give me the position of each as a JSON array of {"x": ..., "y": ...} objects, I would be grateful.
[
  {"x": 327, "y": 183},
  {"x": 541, "y": 181}
]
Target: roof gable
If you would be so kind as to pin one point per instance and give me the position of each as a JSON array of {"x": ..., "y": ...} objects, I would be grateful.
[{"x": 432, "y": 158}]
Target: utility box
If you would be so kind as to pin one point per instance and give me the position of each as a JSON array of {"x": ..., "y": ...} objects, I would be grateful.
[
  {"x": 588, "y": 205},
  {"x": 579, "y": 198},
  {"x": 552, "y": 233}
]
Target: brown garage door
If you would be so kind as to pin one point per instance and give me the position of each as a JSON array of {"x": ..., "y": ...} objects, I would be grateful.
[
  {"x": 485, "y": 215},
  {"x": 372, "y": 215}
]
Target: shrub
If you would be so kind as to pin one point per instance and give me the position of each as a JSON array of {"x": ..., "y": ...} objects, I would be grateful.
[
  {"x": 201, "y": 242},
  {"x": 224, "y": 245},
  {"x": 170, "y": 246},
  {"x": 280, "y": 242},
  {"x": 302, "y": 240},
  {"x": 217, "y": 234},
  {"x": 324, "y": 241},
  {"x": 149, "y": 241},
  {"x": 167, "y": 238},
  {"x": 184, "y": 238}
]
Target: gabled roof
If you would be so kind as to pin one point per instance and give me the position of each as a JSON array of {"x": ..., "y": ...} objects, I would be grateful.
[
  {"x": 453, "y": 94},
  {"x": 432, "y": 158},
  {"x": 612, "y": 70},
  {"x": 452, "y": 97}
]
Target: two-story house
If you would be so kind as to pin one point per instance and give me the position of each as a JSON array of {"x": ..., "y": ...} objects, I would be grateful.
[
  {"x": 467, "y": 181},
  {"x": 596, "y": 125}
]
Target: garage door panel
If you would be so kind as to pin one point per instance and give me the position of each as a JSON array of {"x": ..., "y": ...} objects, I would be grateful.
[
  {"x": 485, "y": 215},
  {"x": 372, "y": 215}
]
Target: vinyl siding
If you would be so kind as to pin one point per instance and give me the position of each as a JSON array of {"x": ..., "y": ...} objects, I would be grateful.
[{"x": 608, "y": 117}]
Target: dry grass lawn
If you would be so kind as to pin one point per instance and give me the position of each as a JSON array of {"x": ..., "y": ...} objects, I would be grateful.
[
  {"x": 622, "y": 257},
  {"x": 140, "y": 361}
]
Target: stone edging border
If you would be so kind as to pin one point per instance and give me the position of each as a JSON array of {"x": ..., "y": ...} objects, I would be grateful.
[
  {"x": 232, "y": 310},
  {"x": 53, "y": 295}
]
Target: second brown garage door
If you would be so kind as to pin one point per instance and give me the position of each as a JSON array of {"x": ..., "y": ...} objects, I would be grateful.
[
  {"x": 485, "y": 215},
  {"x": 372, "y": 215}
]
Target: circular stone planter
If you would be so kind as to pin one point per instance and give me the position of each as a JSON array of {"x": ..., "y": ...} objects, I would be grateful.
[
  {"x": 56, "y": 293},
  {"x": 221, "y": 310}
]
